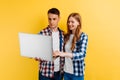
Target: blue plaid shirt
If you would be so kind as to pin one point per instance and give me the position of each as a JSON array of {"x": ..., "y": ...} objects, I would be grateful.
[
  {"x": 47, "y": 67},
  {"x": 79, "y": 54}
]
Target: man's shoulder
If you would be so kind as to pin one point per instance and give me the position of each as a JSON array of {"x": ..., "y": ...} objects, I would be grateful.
[
  {"x": 63, "y": 32},
  {"x": 44, "y": 30}
]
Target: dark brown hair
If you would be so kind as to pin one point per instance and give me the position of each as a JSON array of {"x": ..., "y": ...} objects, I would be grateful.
[{"x": 54, "y": 11}]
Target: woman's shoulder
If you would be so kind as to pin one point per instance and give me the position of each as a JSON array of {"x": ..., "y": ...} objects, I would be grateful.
[{"x": 83, "y": 36}]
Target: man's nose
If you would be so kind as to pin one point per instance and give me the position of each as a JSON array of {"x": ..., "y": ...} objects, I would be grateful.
[{"x": 51, "y": 21}]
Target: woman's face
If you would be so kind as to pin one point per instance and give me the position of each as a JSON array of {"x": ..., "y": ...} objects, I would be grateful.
[{"x": 72, "y": 23}]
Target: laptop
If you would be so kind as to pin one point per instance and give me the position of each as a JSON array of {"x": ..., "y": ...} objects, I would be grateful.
[{"x": 35, "y": 45}]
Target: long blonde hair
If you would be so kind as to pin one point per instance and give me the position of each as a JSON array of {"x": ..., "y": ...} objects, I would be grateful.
[{"x": 77, "y": 34}]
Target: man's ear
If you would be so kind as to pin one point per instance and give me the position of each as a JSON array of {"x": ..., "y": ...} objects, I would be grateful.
[{"x": 59, "y": 18}]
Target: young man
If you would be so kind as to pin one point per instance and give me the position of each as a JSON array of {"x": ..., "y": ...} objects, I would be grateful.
[{"x": 52, "y": 70}]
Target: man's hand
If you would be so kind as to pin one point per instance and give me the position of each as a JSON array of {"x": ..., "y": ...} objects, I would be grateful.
[
  {"x": 62, "y": 54},
  {"x": 56, "y": 54},
  {"x": 37, "y": 59}
]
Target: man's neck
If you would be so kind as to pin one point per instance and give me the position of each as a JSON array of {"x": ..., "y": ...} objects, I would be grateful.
[{"x": 54, "y": 29}]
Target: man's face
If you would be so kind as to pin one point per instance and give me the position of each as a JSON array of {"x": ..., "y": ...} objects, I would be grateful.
[{"x": 53, "y": 20}]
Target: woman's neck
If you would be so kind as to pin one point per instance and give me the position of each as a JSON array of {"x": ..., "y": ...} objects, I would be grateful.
[{"x": 73, "y": 31}]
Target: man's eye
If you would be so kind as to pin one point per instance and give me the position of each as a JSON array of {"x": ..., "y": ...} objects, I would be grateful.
[
  {"x": 54, "y": 19},
  {"x": 49, "y": 18}
]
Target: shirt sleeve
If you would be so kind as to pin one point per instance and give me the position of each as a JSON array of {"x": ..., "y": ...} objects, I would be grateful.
[
  {"x": 80, "y": 49},
  {"x": 41, "y": 32}
]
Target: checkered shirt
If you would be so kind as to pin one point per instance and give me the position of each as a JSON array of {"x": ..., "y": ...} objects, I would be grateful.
[
  {"x": 79, "y": 54},
  {"x": 47, "y": 67}
]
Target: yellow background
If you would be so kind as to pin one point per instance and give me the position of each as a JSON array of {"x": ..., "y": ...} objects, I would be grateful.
[{"x": 100, "y": 20}]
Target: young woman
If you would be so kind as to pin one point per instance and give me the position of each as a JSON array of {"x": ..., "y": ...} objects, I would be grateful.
[{"x": 75, "y": 46}]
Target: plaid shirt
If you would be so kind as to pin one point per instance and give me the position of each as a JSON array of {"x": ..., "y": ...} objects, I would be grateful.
[
  {"x": 79, "y": 54},
  {"x": 47, "y": 67}
]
